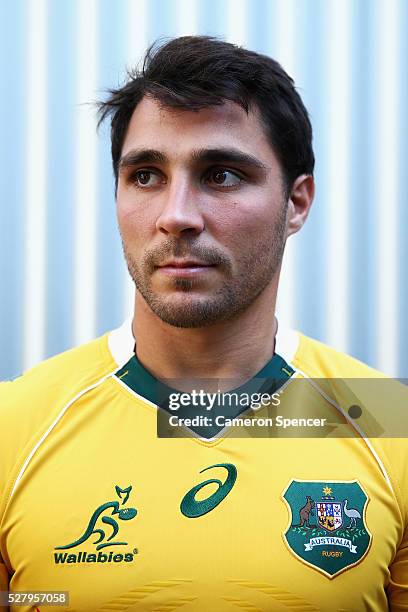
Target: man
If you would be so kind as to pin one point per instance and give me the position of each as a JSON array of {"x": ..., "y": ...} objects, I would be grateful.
[{"x": 212, "y": 154}]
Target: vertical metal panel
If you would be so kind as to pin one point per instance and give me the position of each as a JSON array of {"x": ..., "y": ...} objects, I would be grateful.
[
  {"x": 362, "y": 245},
  {"x": 110, "y": 268},
  {"x": 386, "y": 175},
  {"x": 61, "y": 147},
  {"x": 13, "y": 53},
  {"x": 401, "y": 238},
  {"x": 284, "y": 29},
  {"x": 337, "y": 76},
  {"x": 85, "y": 304},
  {"x": 35, "y": 174},
  {"x": 186, "y": 17}
]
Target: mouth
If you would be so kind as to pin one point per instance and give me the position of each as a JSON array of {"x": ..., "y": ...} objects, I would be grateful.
[{"x": 184, "y": 267}]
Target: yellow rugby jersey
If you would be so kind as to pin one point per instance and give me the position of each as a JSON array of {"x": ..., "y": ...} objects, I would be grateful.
[{"x": 92, "y": 502}]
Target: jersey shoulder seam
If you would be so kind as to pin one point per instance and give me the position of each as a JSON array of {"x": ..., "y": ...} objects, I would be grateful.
[{"x": 107, "y": 366}]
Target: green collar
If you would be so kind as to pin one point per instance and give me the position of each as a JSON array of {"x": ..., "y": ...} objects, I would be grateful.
[{"x": 268, "y": 380}]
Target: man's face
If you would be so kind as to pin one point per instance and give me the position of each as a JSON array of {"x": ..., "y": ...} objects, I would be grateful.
[{"x": 201, "y": 211}]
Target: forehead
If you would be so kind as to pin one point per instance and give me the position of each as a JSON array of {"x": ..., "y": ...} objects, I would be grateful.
[{"x": 178, "y": 131}]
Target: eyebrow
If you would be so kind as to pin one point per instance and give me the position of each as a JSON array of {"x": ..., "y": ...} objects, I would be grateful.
[
  {"x": 215, "y": 155},
  {"x": 227, "y": 155},
  {"x": 142, "y": 156}
]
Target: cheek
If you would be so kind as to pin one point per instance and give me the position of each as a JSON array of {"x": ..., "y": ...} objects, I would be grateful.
[
  {"x": 134, "y": 222},
  {"x": 237, "y": 225}
]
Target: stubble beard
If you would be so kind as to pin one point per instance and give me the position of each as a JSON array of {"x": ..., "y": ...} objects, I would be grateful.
[{"x": 256, "y": 268}]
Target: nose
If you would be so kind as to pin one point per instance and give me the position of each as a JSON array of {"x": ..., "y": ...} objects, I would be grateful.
[{"x": 180, "y": 214}]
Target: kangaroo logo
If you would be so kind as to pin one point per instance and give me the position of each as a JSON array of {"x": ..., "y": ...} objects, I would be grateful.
[
  {"x": 305, "y": 512},
  {"x": 125, "y": 514}
]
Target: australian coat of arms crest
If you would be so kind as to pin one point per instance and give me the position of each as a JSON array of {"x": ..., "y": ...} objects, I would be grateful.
[{"x": 327, "y": 526}]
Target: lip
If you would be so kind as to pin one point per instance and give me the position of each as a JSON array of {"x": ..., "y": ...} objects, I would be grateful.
[
  {"x": 186, "y": 268},
  {"x": 186, "y": 263}
]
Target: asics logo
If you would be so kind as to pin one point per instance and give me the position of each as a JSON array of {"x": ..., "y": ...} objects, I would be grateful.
[{"x": 191, "y": 508}]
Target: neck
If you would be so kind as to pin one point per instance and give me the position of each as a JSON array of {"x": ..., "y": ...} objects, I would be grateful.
[{"x": 236, "y": 349}]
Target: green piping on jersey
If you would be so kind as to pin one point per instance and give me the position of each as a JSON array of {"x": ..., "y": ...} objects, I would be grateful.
[{"x": 268, "y": 380}]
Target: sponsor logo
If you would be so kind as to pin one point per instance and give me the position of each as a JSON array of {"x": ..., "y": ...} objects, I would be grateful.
[
  {"x": 191, "y": 508},
  {"x": 106, "y": 514},
  {"x": 327, "y": 527}
]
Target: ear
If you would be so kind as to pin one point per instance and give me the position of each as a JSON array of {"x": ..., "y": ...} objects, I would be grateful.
[{"x": 300, "y": 201}]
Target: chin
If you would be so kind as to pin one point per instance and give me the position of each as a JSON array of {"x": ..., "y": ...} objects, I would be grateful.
[
  {"x": 192, "y": 312},
  {"x": 187, "y": 315}
]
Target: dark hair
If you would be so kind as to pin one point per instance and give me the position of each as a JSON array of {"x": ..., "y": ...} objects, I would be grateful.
[{"x": 194, "y": 72}]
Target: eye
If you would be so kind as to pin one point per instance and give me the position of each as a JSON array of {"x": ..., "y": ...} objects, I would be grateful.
[
  {"x": 222, "y": 177},
  {"x": 146, "y": 178}
]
